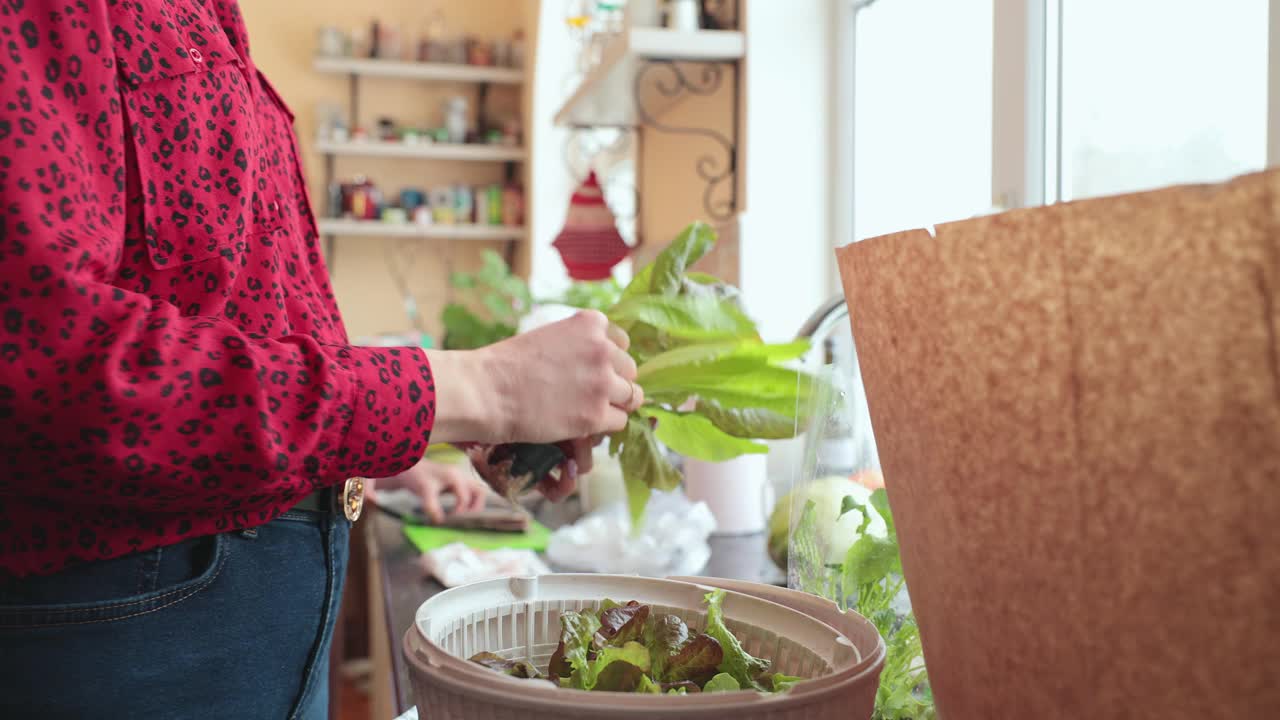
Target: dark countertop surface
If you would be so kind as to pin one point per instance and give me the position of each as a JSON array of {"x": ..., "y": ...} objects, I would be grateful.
[{"x": 405, "y": 588}]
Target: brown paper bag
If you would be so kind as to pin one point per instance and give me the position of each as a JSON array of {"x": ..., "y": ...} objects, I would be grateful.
[{"x": 1078, "y": 415}]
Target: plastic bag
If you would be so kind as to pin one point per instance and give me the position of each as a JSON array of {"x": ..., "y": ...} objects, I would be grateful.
[
  {"x": 837, "y": 460},
  {"x": 456, "y": 564},
  {"x": 842, "y": 544},
  {"x": 672, "y": 541}
]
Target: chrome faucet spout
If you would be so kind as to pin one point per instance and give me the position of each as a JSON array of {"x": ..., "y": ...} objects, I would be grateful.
[{"x": 827, "y": 314}]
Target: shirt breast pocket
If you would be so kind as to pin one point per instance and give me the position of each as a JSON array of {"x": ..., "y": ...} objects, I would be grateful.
[{"x": 196, "y": 136}]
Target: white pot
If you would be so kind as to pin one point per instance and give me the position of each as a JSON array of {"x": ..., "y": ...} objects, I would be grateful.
[
  {"x": 604, "y": 485},
  {"x": 737, "y": 491}
]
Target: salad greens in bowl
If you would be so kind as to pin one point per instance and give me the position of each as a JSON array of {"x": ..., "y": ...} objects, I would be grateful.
[{"x": 630, "y": 648}]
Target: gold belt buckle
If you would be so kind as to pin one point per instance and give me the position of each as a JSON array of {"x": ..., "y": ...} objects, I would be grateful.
[{"x": 352, "y": 498}]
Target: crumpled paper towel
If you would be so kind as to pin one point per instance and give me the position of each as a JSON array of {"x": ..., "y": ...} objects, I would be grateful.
[
  {"x": 672, "y": 541},
  {"x": 457, "y": 564}
]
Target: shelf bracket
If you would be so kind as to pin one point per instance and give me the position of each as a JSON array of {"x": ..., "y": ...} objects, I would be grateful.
[{"x": 671, "y": 80}]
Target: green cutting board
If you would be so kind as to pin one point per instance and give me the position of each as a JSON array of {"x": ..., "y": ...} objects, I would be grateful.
[{"x": 427, "y": 538}]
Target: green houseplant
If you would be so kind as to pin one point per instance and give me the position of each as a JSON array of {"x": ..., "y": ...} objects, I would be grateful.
[{"x": 495, "y": 300}]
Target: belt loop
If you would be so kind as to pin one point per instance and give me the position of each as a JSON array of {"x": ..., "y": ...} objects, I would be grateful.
[{"x": 149, "y": 569}]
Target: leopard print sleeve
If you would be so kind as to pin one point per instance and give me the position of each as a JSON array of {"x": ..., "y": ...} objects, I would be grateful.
[{"x": 172, "y": 362}]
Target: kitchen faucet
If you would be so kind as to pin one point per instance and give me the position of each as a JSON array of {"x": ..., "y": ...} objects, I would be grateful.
[{"x": 822, "y": 319}]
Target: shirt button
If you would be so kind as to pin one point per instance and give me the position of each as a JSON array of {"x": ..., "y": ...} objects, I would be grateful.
[{"x": 195, "y": 55}]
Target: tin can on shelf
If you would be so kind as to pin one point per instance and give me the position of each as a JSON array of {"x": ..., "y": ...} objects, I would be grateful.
[
  {"x": 482, "y": 206},
  {"x": 336, "y": 199},
  {"x": 387, "y": 130},
  {"x": 411, "y": 199},
  {"x": 479, "y": 52},
  {"x": 494, "y": 195},
  {"x": 442, "y": 205},
  {"x": 464, "y": 204},
  {"x": 513, "y": 205},
  {"x": 365, "y": 201}
]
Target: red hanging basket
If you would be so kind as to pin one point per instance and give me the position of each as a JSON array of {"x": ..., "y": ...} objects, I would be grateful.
[{"x": 590, "y": 244}]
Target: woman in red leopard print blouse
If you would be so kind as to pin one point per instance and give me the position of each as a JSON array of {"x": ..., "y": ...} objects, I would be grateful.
[{"x": 178, "y": 397}]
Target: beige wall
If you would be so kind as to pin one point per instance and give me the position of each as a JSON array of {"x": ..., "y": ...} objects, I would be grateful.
[{"x": 283, "y": 40}]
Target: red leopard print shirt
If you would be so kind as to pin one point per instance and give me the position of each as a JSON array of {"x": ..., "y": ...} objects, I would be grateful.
[{"x": 172, "y": 361}]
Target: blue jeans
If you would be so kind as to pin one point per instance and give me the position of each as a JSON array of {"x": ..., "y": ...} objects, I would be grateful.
[{"x": 236, "y": 625}]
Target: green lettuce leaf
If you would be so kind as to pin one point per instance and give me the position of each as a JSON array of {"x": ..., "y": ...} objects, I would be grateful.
[
  {"x": 848, "y": 505},
  {"x": 737, "y": 374},
  {"x": 576, "y": 632},
  {"x": 671, "y": 264},
  {"x": 644, "y": 466},
  {"x": 783, "y": 683},
  {"x": 702, "y": 278},
  {"x": 593, "y": 295},
  {"x": 740, "y": 664},
  {"x": 724, "y": 682},
  {"x": 620, "y": 669},
  {"x": 747, "y": 354},
  {"x": 617, "y": 669},
  {"x": 696, "y": 662},
  {"x": 880, "y": 501},
  {"x": 648, "y": 343},
  {"x": 732, "y": 378},
  {"x": 751, "y": 423},
  {"x": 869, "y": 560},
  {"x": 647, "y": 686},
  {"x": 702, "y": 318},
  {"x": 904, "y": 692},
  {"x": 695, "y": 436},
  {"x": 638, "y": 493},
  {"x": 640, "y": 285},
  {"x": 776, "y": 390}
]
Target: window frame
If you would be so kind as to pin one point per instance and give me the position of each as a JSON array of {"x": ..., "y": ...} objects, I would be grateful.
[{"x": 1273, "y": 85}]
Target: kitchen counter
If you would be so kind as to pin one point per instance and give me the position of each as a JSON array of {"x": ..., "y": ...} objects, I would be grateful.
[{"x": 398, "y": 588}]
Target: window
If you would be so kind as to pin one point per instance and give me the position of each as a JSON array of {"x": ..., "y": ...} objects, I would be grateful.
[
  {"x": 1158, "y": 92},
  {"x": 921, "y": 113},
  {"x": 957, "y": 108}
]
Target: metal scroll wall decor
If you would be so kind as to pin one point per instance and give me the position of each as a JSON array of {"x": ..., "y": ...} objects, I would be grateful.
[{"x": 717, "y": 168}]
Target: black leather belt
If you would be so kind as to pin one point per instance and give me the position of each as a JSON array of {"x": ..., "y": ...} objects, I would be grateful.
[{"x": 347, "y": 499}]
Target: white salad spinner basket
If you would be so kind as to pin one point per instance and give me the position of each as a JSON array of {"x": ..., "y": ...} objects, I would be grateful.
[{"x": 520, "y": 619}]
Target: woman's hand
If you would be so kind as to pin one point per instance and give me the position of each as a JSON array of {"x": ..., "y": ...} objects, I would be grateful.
[
  {"x": 429, "y": 480},
  {"x": 567, "y": 380}
]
